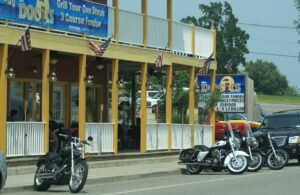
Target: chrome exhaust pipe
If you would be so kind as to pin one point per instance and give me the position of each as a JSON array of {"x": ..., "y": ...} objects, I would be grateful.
[
  {"x": 50, "y": 175},
  {"x": 188, "y": 163}
]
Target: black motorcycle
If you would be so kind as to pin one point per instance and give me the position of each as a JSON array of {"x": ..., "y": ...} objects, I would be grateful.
[
  {"x": 250, "y": 145},
  {"x": 276, "y": 158},
  {"x": 223, "y": 154},
  {"x": 68, "y": 166}
]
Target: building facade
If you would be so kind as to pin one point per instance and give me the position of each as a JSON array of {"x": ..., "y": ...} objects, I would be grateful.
[{"x": 61, "y": 79}]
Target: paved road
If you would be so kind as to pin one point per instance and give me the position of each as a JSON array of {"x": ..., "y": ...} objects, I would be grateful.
[
  {"x": 266, "y": 181},
  {"x": 273, "y": 107}
]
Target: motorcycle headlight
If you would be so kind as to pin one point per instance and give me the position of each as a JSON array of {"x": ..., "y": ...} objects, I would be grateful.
[{"x": 294, "y": 139}]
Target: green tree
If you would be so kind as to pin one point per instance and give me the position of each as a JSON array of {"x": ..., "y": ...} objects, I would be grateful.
[
  {"x": 231, "y": 40},
  {"x": 267, "y": 78},
  {"x": 297, "y": 22}
]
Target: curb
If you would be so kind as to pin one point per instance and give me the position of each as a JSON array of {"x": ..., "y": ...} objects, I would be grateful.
[
  {"x": 19, "y": 170},
  {"x": 104, "y": 180}
]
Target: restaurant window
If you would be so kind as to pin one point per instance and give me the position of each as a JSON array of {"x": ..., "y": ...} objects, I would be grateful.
[{"x": 25, "y": 99}]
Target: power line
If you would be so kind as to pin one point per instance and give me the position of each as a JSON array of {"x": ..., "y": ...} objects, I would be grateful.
[
  {"x": 273, "y": 54},
  {"x": 267, "y": 26}
]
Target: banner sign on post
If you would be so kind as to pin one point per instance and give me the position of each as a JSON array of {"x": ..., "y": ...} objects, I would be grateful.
[
  {"x": 67, "y": 15},
  {"x": 232, "y": 89}
]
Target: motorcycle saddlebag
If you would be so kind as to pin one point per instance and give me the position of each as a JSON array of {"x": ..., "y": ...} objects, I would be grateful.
[{"x": 186, "y": 155}]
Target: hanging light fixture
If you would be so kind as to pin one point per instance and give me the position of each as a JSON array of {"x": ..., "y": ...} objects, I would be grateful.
[
  {"x": 89, "y": 80},
  {"x": 10, "y": 73},
  {"x": 52, "y": 76}
]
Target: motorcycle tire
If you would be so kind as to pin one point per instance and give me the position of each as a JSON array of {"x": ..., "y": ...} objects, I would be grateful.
[
  {"x": 257, "y": 163},
  {"x": 193, "y": 169},
  {"x": 238, "y": 165},
  {"x": 79, "y": 178},
  {"x": 274, "y": 163},
  {"x": 40, "y": 184}
]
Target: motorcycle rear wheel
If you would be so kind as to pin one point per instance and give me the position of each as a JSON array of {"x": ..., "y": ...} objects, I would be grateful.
[
  {"x": 193, "y": 169},
  {"x": 276, "y": 164},
  {"x": 78, "y": 180},
  {"x": 257, "y": 163},
  {"x": 40, "y": 184},
  {"x": 238, "y": 165}
]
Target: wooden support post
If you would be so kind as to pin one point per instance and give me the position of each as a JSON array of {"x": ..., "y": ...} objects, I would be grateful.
[
  {"x": 45, "y": 96},
  {"x": 3, "y": 97},
  {"x": 169, "y": 103},
  {"x": 82, "y": 97},
  {"x": 192, "y": 102},
  {"x": 143, "y": 107},
  {"x": 114, "y": 103}
]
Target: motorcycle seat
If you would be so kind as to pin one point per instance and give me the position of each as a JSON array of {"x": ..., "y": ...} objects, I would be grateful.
[
  {"x": 201, "y": 148},
  {"x": 50, "y": 156}
]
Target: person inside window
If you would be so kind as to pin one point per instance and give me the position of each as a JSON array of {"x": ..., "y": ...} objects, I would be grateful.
[{"x": 12, "y": 115}]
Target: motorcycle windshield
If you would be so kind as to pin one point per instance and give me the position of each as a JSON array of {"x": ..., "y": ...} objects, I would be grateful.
[
  {"x": 230, "y": 130},
  {"x": 249, "y": 132}
]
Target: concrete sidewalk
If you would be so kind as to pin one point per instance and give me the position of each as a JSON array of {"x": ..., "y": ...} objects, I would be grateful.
[{"x": 21, "y": 177}]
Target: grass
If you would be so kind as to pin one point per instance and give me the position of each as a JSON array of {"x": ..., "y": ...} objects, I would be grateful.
[{"x": 278, "y": 99}]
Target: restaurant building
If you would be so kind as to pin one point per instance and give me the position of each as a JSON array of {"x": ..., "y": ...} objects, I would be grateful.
[{"x": 62, "y": 79}]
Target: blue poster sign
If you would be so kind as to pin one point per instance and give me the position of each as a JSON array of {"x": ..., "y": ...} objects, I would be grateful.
[
  {"x": 67, "y": 15},
  {"x": 232, "y": 89}
]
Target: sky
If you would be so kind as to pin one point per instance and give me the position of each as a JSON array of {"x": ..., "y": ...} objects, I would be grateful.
[{"x": 269, "y": 40}]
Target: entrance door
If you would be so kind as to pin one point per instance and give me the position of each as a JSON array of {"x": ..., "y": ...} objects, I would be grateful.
[{"x": 58, "y": 109}]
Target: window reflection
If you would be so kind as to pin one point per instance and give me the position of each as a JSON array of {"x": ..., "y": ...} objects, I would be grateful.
[{"x": 25, "y": 99}]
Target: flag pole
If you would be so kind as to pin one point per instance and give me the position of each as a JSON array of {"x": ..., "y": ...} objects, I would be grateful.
[{"x": 19, "y": 40}]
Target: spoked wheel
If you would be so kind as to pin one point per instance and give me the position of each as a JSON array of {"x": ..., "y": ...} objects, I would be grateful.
[
  {"x": 238, "y": 165},
  {"x": 40, "y": 184},
  {"x": 193, "y": 169},
  {"x": 257, "y": 162},
  {"x": 279, "y": 162},
  {"x": 78, "y": 180}
]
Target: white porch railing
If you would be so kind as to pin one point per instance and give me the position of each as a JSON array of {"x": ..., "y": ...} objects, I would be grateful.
[
  {"x": 25, "y": 138},
  {"x": 157, "y": 136},
  {"x": 102, "y": 134},
  {"x": 203, "y": 135},
  {"x": 131, "y": 27},
  {"x": 157, "y": 32},
  {"x": 182, "y": 38},
  {"x": 181, "y": 136},
  {"x": 203, "y": 42}
]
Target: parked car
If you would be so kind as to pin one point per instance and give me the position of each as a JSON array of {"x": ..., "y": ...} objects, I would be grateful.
[
  {"x": 3, "y": 170},
  {"x": 150, "y": 95},
  {"x": 284, "y": 127},
  {"x": 237, "y": 121}
]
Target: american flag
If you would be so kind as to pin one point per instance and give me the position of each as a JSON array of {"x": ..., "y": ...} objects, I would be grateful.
[
  {"x": 205, "y": 68},
  {"x": 228, "y": 66},
  {"x": 99, "y": 50},
  {"x": 25, "y": 40},
  {"x": 160, "y": 60}
]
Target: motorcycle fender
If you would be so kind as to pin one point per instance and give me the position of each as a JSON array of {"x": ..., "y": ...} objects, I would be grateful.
[
  {"x": 229, "y": 156},
  {"x": 40, "y": 162}
]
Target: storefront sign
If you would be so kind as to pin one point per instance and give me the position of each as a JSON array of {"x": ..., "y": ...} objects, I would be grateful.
[
  {"x": 232, "y": 92},
  {"x": 67, "y": 15}
]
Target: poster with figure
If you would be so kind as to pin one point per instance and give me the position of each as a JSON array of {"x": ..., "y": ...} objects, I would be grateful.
[{"x": 232, "y": 89}]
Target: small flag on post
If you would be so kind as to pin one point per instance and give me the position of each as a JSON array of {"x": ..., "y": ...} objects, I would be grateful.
[
  {"x": 228, "y": 66},
  {"x": 159, "y": 60},
  {"x": 205, "y": 68},
  {"x": 99, "y": 50},
  {"x": 25, "y": 40}
]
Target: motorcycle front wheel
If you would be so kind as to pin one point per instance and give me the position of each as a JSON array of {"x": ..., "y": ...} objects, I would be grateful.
[
  {"x": 193, "y": 169},
  {"x": 238, "y": 165},
  {"x": 279, "y": 162},
  {"x": 40, "y": 184},
  {"x": 257, "y": 163},
  {"x": 78, "y": 180}
]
